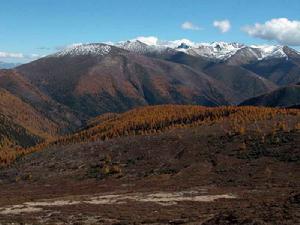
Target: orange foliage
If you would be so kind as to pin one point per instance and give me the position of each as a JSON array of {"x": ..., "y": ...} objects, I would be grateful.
[{"x": 156, "y": 119}]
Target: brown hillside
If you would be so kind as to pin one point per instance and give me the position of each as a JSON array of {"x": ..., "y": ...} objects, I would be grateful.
[
  {"x": 155, "y": 119},
  {"x": 26, "y": 116},
  {"x": 184, "y": 156},
  {"x": 247, "y": 153},
  {"x": 243, "y": 83},
  {"x": 13, "y": 138},
  {"x": 120, "y": 80},
  {"x": 18, "y": 86}
]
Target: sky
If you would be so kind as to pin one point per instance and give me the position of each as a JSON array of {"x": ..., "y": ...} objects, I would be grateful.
[{"x": 33, "y": 28}]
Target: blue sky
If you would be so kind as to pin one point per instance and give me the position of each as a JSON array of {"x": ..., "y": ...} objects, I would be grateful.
[{"x": 42, "y": 26}]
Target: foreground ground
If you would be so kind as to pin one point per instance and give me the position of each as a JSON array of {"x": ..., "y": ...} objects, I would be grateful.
[{"x": 193, "y": 175}]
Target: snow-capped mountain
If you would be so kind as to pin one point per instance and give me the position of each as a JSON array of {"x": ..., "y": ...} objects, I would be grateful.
[
  {"x": 84, "y": 49},
  {"x": 215, "y": 50},
  {"x": 97, "y": 78},
  {"x": 269, "y": 51},
  {"x": 221, "y": 51},
  {"x": 140, "y": 47}
]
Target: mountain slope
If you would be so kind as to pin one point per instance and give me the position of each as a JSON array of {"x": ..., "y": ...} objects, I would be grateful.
[
  {"x": 279, "y": 64},
  {"x": 157, "y": 119},
  {"x": 92, "y": 79},
  {"x": 14, "y": 138},
  {"x": 283, "y": 97},
  {"x": 245, "y": 83},
  {"x": 25, "y": 115},
  {"x": 13, "y": 135},
  {"x": 21, "y": 88},
  {"x": 98, "y": 78},
  {"x": 242, "y": 82},
  {"x": 180, "y": 172},
  {"x": 281, "y": 71}
]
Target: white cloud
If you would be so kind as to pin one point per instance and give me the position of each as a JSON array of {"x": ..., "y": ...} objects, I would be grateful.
[
  {"x": 74, "y": 45},
  {"x": 34, "y": 56},
  {"x": 62, "y": 47},
  {"x": 17, "y": 57},
  {"x": 176, "y": 43},
  {"x": 282, "y": 30},
  {"x": 189, "y": 26},
  {"x": 11, "y": 55},
  {"x": 223, "y": 25},
  {"x": 151, "y": 40}
]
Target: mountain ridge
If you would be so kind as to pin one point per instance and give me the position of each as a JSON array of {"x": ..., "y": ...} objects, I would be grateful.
[
  {"x": 86, "y": 80},
  {"x": 287, "y": 97},
  {"x": 119, "y": 80},
  {"x": 214, "y": 50}
]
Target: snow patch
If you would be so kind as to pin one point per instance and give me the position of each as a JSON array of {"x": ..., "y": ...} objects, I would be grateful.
[
  {"x": 270, "y": 51},
  {"x": 140, "y": 47},
  {"x": 84, "y": 49},
  {"x": 216, "y": 50},
  {"x": 161, "y": 198}
]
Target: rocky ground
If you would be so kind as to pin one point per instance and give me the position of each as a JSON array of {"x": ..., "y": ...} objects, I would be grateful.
[{"x": 199, "y": 175}]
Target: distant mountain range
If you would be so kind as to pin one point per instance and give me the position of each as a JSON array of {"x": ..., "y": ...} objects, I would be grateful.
[
  {"x": 221, "y": 51},
  {"x": 67, "y": 88},
  {"x": 5, "y": 65}
]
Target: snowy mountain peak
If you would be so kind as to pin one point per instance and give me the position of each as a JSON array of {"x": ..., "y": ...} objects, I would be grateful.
[
  {"x": 224, "y": 45},
  {"x": 183, "y": 46},
  {"x": 215, "y": 50},
  {"x": 221, "y": 51},
  {"x": 269, "y": 51},
  {"x": 84, "y": 49},
  {"x": 140, "y": 47}
]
